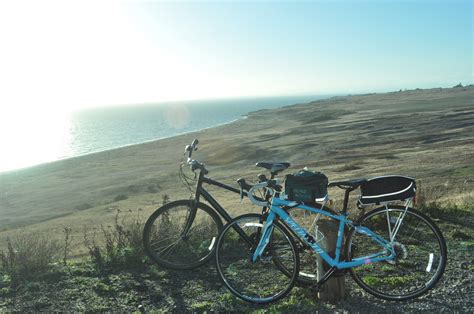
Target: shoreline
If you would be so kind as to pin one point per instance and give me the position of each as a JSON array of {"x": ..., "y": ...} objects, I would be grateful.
[
  {"x": 6, "y": 172},
  {"x": 326, "y": 98},
  {"x": 242, "y": 117}
]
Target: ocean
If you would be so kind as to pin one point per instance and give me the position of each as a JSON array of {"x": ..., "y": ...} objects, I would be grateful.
[{"x": 99, "y": 129}]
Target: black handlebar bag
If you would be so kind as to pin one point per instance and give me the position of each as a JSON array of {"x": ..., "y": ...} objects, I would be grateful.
[
  {"x": 387, "y": 189},
  {"x": 306, "y": 186}
]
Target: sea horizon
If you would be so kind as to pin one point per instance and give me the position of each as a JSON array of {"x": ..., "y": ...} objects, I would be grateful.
[{"x": 100, "y": 129}]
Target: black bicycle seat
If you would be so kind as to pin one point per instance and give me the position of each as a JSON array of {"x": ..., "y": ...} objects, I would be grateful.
[
  {"x": 348, "y": 183},
  {"x": 274, "y": 167}
]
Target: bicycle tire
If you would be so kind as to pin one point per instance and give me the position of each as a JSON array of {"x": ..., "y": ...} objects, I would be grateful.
[
  {"x": 181, "y": 252},
  {"x": 418, "y": 265},
  {"x": 255, "y": 282}
]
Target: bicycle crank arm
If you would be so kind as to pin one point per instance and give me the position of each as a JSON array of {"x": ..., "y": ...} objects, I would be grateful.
[{"x": 317, "y": 286}]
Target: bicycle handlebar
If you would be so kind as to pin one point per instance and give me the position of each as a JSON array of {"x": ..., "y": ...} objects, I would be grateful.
[
  {"x": 252, "y": 198},
  {"x": 271, "y": 184},
  {"x": 191, "y": 148},
  {"x": 194, "y": 164}
]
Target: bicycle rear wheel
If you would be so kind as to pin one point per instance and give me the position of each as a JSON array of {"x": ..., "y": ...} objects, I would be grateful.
[
  {"x": 420, "y": 253},
  {"x": 168, "y": 244},
  {"x": 262, "y": 281}
]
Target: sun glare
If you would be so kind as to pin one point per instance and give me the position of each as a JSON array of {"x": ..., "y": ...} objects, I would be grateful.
[
  {"x": 58, "y": 57},
  {"x": 66, "y": 55},
  {"x": 30, "y": 138}
]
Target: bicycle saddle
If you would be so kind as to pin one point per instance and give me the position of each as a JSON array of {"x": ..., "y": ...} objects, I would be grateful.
[
  {"x": 348, "y": 183},
  {"x": 274, "y": 167}
]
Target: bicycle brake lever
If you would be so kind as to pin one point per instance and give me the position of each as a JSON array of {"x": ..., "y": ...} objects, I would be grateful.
[{"x": 241, "y": 183}]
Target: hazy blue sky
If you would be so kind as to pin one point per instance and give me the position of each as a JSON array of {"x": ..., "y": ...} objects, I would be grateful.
[{"x": 72, "y": 54}]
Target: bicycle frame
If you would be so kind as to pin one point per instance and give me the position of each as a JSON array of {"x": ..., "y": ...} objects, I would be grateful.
[
  {"x": 209, "y": 198},
  {"x": 276, "y": 210},
  {"x": 200, "y": 191}
]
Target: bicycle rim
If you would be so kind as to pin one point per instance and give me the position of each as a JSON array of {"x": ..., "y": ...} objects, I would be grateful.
[
  {"x": 259, "y": 282},
  {"x": 167, "y": 243},
  {"x": 419, "y": 247}
]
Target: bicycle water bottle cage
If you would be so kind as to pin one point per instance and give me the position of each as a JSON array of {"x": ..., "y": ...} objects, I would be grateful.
[{"x": 274, "y": 167}]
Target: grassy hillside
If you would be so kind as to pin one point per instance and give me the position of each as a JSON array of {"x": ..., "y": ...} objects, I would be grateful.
[{"x": 427, "y": 134}]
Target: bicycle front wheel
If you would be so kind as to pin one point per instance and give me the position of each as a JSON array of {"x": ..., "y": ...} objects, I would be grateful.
[
  {"x": 420, "y": 253},
  {"x": 260, "y": 281},
  {"x": 172, "y": 243}
]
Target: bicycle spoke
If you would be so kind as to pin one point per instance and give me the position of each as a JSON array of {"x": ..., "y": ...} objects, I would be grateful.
[
  {"x": 260, "y": 281},
  {"x": 416, "y": 228},
  {"x": 165, "y": 242},
  {"x": 419, "y": 249},
  {"x": 169, "y": 246},
  {"x": 152, "y": 244}
]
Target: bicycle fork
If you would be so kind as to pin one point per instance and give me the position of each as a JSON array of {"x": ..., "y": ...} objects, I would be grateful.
[
  {"x": 265, "y": 238},
  {"x": 190, "y": 220},
  {"x": 193, "y": 209}
]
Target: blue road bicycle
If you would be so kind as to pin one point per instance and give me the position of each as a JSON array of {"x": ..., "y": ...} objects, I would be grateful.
[
  {"x": 182, "y": 234},
  {"x": 393, "y": 252}
]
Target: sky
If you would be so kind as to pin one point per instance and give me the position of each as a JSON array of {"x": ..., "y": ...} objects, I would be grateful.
[{"x": 58, "y": 56}]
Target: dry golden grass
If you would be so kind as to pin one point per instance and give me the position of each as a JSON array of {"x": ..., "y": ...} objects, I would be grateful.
[{"x": 427, "y": 134}]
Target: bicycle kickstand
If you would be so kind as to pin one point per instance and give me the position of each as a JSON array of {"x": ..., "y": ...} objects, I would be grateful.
[{"x": 317, "y": 286}]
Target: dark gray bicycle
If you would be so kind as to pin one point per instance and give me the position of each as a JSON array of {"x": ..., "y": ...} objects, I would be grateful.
[{"x": 182, "y": 234}]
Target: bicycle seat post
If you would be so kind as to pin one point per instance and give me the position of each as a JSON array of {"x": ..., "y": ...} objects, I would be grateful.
[{"x": 346, "y": 199}]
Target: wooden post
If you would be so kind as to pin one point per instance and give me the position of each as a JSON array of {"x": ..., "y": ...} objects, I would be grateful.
[{"x": 334, "y": 289}]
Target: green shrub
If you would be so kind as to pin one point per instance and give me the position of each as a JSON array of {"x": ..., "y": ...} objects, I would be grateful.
[
  {"x": 122, "y": 243},
  {"x": 458, "y": 234},
  {"x": 28, "y": 255}
]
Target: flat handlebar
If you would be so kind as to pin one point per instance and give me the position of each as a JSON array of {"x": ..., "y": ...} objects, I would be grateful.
[
  {"x": 194, "y": 164},
  {"x": 191, "y": 148}
]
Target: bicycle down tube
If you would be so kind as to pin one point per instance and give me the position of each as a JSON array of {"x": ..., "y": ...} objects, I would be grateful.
[
  {"x": 213, "y": 202},
  {"x": 277, "y": 211}
]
